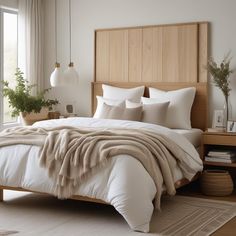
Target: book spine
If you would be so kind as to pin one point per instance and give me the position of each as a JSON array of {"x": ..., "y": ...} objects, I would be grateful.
[
  {"x": 220, "y": 153},
  {"x": 221, "y": 156},
  {"x": 216, "y": 159}
]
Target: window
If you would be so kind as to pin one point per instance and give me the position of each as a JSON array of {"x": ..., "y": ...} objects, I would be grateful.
[{"x": 8, "y": 58}]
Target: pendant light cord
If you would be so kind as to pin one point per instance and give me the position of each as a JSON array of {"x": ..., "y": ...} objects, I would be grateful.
[
  {"x": 70, "y": 26},
  {"x": 56, "y": 29}
]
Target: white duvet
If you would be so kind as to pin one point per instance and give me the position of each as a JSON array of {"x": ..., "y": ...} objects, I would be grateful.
[{"x": 124, "y": 183}]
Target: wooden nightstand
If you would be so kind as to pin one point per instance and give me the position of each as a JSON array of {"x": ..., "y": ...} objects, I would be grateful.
[{"x": 214, "y": 140}]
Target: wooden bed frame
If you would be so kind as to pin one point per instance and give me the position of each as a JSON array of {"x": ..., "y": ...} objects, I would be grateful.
[{"x": 167, "y": 57}]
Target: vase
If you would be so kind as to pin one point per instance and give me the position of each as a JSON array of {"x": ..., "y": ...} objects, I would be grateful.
[{"x": 227, "y": 111}]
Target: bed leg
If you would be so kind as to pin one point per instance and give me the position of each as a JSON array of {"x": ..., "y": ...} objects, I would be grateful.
[{"x": 1, "y": 195}]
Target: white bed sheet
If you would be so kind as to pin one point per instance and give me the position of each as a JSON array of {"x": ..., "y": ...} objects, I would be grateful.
[
  {"x": 124, "y": 183},
  {"x": 193, "y": 135}
]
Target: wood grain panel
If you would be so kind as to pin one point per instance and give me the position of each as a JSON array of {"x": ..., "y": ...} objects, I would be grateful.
[
  {"x": 199, "y": 114},
  {"x": 180, "y": 53},
  {"x": 102, "y": 63},
  {"x": 118, "y": 52},
  {"x": 167, "y": 53},
  {"x": 203, "y": 52},
  {"x": 157, "y": 55},
  {"x": 152, "y": 54},
  {"x": 188, "y": 53},
  {"x": 135, "y": 55},
  {"x": 170, "y": 63},
  {"x": 147, "y": 69}
]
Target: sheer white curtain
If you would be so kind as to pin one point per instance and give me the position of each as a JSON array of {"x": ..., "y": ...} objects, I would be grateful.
[{"x": 31, "y": 40}]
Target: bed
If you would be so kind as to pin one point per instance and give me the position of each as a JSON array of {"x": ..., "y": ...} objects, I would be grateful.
[{"x": 127, "y": 58}]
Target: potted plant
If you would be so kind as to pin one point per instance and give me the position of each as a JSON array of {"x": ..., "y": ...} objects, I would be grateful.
[
  {"x": 220, "y": 75},
  {"x": 30, "y": 108}
]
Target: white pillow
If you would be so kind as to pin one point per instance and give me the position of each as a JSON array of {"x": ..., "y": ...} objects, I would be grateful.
[
  {"x": 179, "y": 110},
  {"x": 101, "y": 100},
  {"x": 154, "y": 113},
  {"x": 130, "y": 104},
  {"x": 133, "y": 94}
]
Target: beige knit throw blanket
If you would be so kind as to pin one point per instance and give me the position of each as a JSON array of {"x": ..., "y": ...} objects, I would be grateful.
[{"x": 70, "y": 154}]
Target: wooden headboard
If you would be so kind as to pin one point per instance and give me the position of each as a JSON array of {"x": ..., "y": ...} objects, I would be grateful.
[{"x": 167, "y": 57}]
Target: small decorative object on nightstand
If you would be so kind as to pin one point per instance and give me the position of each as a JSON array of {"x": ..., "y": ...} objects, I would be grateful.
[
  {"x": 70, "y": 109},
  {"x": 53, "y": 115},
  {"x": 231, "y": 126},
  {"x": 218, "y": 120}
]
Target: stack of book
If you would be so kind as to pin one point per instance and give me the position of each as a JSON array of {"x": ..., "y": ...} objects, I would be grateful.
[{"x": 224, "y": 156}]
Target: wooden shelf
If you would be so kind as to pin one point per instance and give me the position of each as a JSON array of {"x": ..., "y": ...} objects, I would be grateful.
[
  {"x": 214, "y": 140},
  {"x": 227, "y": 139},
  {"x": 220, "y": 133}
]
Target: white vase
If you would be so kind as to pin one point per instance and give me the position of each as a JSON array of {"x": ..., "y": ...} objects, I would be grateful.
[{"x": 227, "y": 111}]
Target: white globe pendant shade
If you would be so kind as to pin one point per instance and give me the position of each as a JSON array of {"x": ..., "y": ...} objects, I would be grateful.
[
  {"x": 56, "y": 78},
  {"x": 71, "y": 76}
]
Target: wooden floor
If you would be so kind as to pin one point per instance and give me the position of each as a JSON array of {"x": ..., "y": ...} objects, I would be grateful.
[{"x": 193, "y": 189}]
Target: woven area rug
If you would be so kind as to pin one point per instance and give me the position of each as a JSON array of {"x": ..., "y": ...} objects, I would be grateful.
[
  {"x": 35, "y": 214},
  {"x": 7, "y": 232},
  {"x": 191, "y": 216}
]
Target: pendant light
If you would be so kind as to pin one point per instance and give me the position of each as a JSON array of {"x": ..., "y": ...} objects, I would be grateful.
[
  {"x": 71, "y": 76},
  {"x": 56, "y": 78}
]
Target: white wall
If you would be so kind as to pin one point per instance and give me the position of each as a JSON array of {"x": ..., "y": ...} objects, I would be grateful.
[
  {"x": 9, "y": 3},
  {"x": 88, "y": 15}
]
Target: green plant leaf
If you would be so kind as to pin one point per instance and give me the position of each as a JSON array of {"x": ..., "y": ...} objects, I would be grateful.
[{"x": 20, "y": 98}]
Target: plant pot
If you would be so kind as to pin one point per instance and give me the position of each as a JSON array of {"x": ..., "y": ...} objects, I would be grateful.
[
  {"x": 32, "y": 117},
  {"x": 216, "y": 183}
]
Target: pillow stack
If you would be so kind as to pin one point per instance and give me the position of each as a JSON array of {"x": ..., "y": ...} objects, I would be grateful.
[
  {"x": 112, "y": 104},
  {"x": 171, "y": 109}
]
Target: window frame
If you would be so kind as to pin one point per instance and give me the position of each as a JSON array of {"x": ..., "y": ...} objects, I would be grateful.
[{"x": 2, "y": 11}]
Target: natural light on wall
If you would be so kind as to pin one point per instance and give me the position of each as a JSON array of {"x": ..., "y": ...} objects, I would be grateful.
[{"x": 9, "y": 57}]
